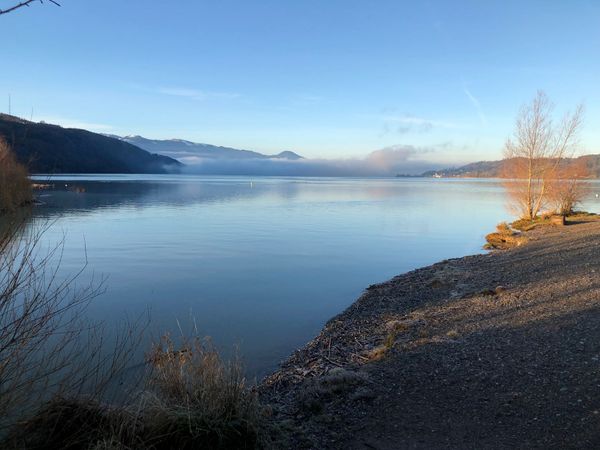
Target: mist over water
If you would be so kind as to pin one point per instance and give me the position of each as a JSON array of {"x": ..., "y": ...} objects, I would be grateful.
[
  {"x": 261, "y": 262},
  {"x": 386, "y": 162}
]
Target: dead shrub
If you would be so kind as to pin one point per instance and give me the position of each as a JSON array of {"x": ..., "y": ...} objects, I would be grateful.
[
  {"x": 195, "y": 398},
  {"x": 48, "y": 350},
  {"x": 65, "y": 424},
  {"x": 191, "y": 399},
  {"x": 15, "y": 187},
  {"x": 569, "y": 187}
]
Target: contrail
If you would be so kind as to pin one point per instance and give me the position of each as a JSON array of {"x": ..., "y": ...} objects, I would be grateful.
[{"x": 477, "y": 106}]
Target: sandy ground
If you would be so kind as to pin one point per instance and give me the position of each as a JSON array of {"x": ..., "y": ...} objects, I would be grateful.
[{"x": 489, "y": 351}]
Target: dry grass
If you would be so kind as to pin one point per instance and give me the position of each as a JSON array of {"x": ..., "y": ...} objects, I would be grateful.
[
  {"x": 582, "y": 216},
  {"x": 508, "y": 236},
  {"x": 546, "y": 219},
  {"x": 504, "y": 238},
  {"x": 197, "y": 399},
  {"x": 192, "y": 399},
  {"x": 528, "y": 225},
  {"x": 15, "y": 187},
  {"x": 453, "y": 334}
]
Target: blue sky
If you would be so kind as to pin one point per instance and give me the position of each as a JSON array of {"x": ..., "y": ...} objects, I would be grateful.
[{"x": 329, "y": 79}]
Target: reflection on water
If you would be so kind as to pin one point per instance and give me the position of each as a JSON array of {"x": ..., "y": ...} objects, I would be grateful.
[{"x": 259, "y": 262}]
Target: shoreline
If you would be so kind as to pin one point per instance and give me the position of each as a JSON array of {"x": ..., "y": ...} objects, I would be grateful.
[{"x": 430, "y": 358}]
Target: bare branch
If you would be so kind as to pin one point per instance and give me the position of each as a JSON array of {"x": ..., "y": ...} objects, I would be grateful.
[
  {"x": 535, "y": 152},
  {"x": 24, "y": 3}
]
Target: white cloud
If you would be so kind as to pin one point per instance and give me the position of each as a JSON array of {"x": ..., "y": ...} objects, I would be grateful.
[
  {"x": 407, "y": 123},
  {"x": 196, "y": 94}
]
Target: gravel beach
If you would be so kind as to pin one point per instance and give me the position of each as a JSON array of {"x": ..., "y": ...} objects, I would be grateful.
[{"x": 500, "y": 350}]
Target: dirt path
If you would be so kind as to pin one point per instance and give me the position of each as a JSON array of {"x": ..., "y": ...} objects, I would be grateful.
[{"x": 489, "y": 351}]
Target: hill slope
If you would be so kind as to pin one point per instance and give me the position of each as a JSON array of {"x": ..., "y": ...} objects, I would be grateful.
[
  {"x": 493, "y": 169},
  {"x": 46, "y": 148},
  {"x": 480, "y": 169},
  {"x": 187, "y": 151}
]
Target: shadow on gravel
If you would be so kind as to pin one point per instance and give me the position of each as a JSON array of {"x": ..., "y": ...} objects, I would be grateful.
[{"x": 535, "y": 385}]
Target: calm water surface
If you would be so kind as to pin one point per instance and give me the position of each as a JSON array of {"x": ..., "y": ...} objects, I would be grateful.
[{"x": 258, "y": 262}]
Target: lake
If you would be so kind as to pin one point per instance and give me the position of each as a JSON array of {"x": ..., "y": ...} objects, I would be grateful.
[{"x": 261, "y": 262}]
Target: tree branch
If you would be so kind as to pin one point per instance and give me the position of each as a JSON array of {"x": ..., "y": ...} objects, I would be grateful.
[{"x": 24, "y": 3}]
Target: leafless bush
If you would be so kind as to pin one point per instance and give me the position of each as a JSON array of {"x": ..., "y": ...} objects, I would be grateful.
[
  {"x": 47, "y": 348},
  {"x": 535, "y": 152},
  {"x": 568, "y": 187},
  {"x": 15, "y": 187}
]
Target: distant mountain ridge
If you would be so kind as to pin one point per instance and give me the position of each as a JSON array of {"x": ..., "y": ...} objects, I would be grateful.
[
  {"x": 493, "y": 169},
  {"x": 46, "y": 148},
  {"x": 479, "y": 169},
  {"x": 190, "y": 152}
]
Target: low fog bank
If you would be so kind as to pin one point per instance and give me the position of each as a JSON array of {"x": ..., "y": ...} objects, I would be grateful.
[{"x": 386, "y": 162}]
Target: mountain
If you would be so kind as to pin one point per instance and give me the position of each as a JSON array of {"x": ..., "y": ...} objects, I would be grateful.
[
  {"x": 493, "y": 169},
  {"x": 480, "y": 169},
  {"x": 190, "y": 152},
  {"x": 46, "y": 148}
]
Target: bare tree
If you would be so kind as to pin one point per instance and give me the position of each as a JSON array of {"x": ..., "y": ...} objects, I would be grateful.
[
  {"x": 533, "y": 155},
  {"x": 22, "y": 4}
]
